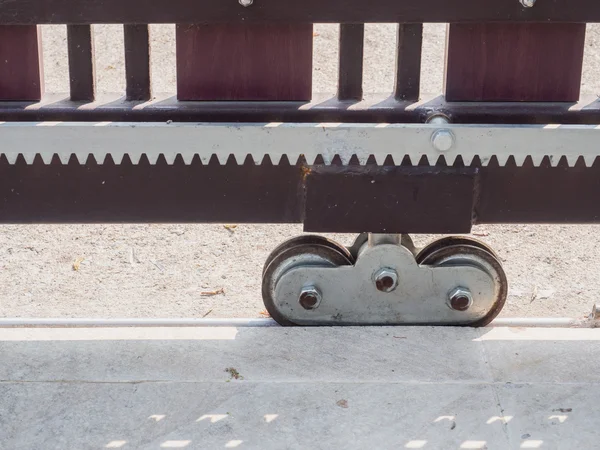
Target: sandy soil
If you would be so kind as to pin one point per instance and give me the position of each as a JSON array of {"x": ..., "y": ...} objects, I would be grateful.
[{"x": 162, "y": 270}]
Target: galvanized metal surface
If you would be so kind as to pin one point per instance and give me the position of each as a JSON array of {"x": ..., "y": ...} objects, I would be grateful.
[
  {"x": 350, "y": 296},
  {"x": 49, "y": 322},
  {"x": 296, "y": 140}
]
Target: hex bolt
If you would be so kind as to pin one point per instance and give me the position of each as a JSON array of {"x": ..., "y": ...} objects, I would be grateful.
[
  {"x": 460, "y": 299},
  {"x": 309, "y": 298},
  {"x": 442, "y": 140},
  {"x": 438, "y": 119},
  {"x": 386, "y": 280},
  {"x": 246, "y": 3},
  {"x": 527, "y": 3}
]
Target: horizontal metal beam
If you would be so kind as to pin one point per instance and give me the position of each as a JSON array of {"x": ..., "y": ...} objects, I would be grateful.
[
  {"x": 388, "y": 198},
  {"x": 376, "y": 109},
  {"x": 313, "y": 11},
  {"x": 34, "y": 322},
  {"x": 295, "y": 141},
  {"x": 331, "y": 177}
]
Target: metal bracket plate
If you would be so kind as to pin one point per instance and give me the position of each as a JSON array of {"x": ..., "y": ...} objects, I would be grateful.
[{"x": 349, "y": 295}]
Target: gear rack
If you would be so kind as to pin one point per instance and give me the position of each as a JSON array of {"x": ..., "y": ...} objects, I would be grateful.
[{"x": 244, "y": 140}]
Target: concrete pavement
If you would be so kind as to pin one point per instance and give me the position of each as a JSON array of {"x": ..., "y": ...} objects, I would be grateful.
[{"x": 272, "y": 388}]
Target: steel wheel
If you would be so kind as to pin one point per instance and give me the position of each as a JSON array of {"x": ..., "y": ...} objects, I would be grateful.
[
  {"x": 308, "y": 239},
  {"x": 469, "y": 252},
  {"x": 286, "y": 257},
  {"x": 452, "y": 240}
]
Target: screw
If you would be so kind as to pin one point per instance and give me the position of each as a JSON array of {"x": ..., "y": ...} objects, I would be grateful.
[
  {"x": 246, "y": 3},
  {"x": 442, "y": 140},
  {"x": 527, "y": 3},
  {"x": 310, "y": 297},
  {"x": 460, "y": 299},
  {"x": 386, "y": 280}
]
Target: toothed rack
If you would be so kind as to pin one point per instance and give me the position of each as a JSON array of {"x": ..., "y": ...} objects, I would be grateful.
[{"x": 244, "y": 140}]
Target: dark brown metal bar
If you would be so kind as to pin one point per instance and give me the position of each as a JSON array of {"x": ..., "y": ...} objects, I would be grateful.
[
  {"x": 321, "y": 109},
  {"x": 350, "y": 78},
  {"x": 82, "y": 72},
  {"x": 514, "y": 62},
  {"x": 137, "y": 62},
  {"x": 438, "y": 199},
  {"x": 290, "y": 11},
  {"x": 21, "y": 74},
  {"x": 244, "y": 62},
  {"x": 408, "y": 61},
  {"x": 543, "y": 194},
  {"x": 381, "y": 199}
]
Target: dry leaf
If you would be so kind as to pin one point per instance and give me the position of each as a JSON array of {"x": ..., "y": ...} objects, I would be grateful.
[
  {"x": 235, "y": 375},
  {"x": 265, "y": 313},
  {"x": 230, "y": 227},
  {"x": 342, "y": 403},
  {"x": 316, "y": 34},
  {"x": 77, "y": 263},
  {"x": 211, "y": 293}
]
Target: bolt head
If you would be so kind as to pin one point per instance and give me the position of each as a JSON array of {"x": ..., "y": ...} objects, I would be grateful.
[
  {"x": 460, "y": 299},
  {"x": 527, "y": 3},
  {"x": 309, "y": 298},
  {"x": 246, "y": 3},
  {"x": 386, "y": 280},
  {"x": 442, "y": 140}
]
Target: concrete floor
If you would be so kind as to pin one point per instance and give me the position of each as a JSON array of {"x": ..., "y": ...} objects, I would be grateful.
[{"x": 273, "y": 388}]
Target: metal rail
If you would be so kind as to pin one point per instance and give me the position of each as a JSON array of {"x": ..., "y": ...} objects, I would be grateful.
[
  {"x": 293, "y": 11},
  {"x": 302, "y": 140},
  {"x": 277, "y": 173},
  {"x": 183, "y": 322}
]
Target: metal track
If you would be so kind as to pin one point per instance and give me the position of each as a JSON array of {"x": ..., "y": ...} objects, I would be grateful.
[
  {"x": 298, "y": 140},
  {"x": 31, "y": 322}
]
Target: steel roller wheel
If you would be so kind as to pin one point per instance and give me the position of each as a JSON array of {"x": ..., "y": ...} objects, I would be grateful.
[
  {"x": 453, "y": 240},
  {"x": 308, "y": 239},
  {"x": 303, "y": 251},
  {"x": 461, "y": 251}
]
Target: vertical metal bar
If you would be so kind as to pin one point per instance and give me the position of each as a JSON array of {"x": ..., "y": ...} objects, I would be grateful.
[
  {"x": 231, "y": 61},
  {"x": 82, "y": 71},
  {"x": 352, "y": 38},
  {"x": 21, "y": 69},
  {"x": 408, "y": 61},
  {"x": 532, "y": 62},
  {"x": 137, "y": 61}
]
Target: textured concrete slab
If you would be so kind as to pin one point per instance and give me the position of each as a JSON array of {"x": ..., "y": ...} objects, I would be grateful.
[
  {"x": 272, "y": 388},
  {"x": 543, "y": 354},
  {"x": 274, "y": 354}
]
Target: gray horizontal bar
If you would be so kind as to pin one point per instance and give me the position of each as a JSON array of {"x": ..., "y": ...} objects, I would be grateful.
[
  {"x": 532, "y": 322},
  {"x": 298, "y": 140}
]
